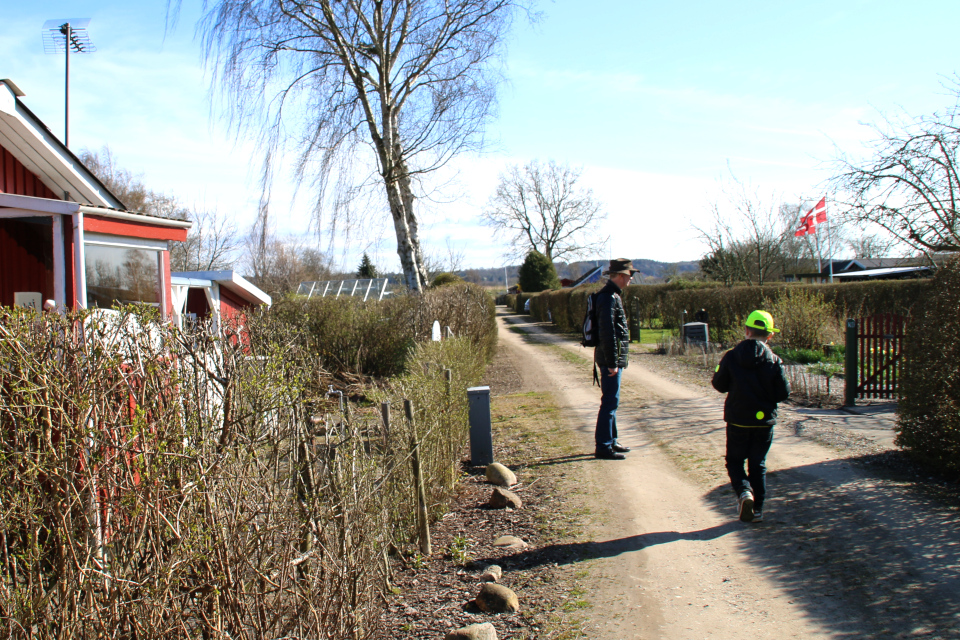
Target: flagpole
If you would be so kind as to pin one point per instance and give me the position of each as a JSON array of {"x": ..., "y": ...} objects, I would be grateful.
[
  {"x": 816, "y": 241},
  {"x": 829, "y": 237}
]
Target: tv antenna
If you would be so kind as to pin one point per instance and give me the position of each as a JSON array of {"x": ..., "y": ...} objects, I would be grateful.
[{"x": 66, "y": 36}]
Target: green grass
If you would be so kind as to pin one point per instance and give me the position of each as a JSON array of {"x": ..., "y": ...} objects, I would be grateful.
[{"x": 652, "y": 336}]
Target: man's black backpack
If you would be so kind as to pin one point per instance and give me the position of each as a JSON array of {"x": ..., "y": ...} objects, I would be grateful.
[{"x": 591, "y": 336}]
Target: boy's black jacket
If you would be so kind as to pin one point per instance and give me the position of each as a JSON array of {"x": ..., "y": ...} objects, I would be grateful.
[{"x": 752, "y": 377}]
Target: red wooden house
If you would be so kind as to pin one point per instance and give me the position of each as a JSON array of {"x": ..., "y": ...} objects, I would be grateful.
[{"x": 63, "y": 235}]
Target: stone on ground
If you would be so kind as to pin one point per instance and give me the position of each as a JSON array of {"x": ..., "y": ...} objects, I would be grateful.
[
  {"x": 501, "y": 499},
  {"x": 501, "y": 475},
  {"x": 510, "y": 543},
  {"x": 496, "y": 598},
  {"x": 493, "y": 573},
  {"x": 483, "y": 631}
]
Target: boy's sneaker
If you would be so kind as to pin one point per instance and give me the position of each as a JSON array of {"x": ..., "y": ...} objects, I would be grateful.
[
  {"x": 757, "y": 516},
  {"x": 745, "y": 506}
]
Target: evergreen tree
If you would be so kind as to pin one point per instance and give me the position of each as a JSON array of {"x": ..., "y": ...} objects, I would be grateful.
[
  {"x": 366, "y": 268},
  {"x": 537, "y": 273}
]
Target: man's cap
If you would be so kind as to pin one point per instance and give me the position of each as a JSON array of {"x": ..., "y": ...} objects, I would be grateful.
[
  {"x": 761, "y": 320},
  {"x": 620, "y": 265}
]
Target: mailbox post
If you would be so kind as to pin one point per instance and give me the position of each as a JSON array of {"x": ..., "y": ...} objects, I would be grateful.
[{"x": 481, "y": 437}]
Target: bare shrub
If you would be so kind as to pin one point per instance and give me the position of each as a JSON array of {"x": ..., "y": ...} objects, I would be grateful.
[
  {"x": 161, "y": 484},
  {"x": 805, "y": 319}
]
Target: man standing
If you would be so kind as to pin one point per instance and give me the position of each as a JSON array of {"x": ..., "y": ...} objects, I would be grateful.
[
  {"x": 752, "y": 377},
  {"x": 611, "y": 356}
]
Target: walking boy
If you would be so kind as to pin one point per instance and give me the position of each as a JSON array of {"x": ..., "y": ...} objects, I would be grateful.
[{"x": 752, "y": 377}]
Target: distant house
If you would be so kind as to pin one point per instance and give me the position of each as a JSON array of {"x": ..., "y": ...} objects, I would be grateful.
[
  {"x": 862, "y": 269},
  {"x": 63, "y": 235}
]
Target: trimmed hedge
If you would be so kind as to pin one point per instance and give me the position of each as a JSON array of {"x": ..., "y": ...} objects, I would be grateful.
[
  {"x": 928, "y": 421},
  {"x": 728, "y": 306}
]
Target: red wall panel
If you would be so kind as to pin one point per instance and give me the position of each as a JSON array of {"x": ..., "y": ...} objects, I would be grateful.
[
  {"x": 26, "y": 259},
  {"x": 16, "y": 179},
  {"x": 96, "y": 224}
]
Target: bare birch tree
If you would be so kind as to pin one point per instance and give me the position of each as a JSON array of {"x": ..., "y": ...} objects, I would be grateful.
[
  {"x": 411, "y": 82},
  {"x": 542, "y": 207},
  {"x": 910, "y": 184}
]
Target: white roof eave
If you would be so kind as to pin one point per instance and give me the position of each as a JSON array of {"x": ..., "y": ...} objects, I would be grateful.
[
  {"x": 232, "y": 281},
  {"x": 24, "y": 136}
]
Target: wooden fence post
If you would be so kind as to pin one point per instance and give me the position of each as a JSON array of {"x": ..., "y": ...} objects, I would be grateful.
[
  {"x": 851, "y": 379},
  {"x": 448, "y": 376},
  {"x": 424, "y": 523},
  {"x": 385, "y": 415}
]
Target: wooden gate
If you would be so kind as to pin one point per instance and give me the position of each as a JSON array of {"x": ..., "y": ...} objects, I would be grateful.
[{"x": 879, "y": 350}]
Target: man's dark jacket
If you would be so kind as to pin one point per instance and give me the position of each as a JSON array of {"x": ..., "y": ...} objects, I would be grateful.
[
  {"x": 612, "y": 351},
  {"x": 752, "y": 377}
]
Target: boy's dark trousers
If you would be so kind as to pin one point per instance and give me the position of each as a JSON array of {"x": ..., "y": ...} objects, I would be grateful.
[{"x": 750, "y": 445}]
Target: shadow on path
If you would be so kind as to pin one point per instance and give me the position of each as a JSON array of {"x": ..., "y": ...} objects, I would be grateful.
[{"x": 569, "y": 553}]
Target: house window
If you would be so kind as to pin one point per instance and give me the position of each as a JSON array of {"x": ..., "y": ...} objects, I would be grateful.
[{"x": 122, "y": 271}]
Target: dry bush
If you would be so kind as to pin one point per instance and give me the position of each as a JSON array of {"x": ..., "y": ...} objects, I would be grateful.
[
  {"x": 805, "y": 319},
  {"x": 375, "y": 337},
  {"x": 161, "y": 484}
]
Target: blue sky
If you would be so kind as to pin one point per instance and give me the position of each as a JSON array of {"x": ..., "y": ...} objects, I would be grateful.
[{"x": 653, "y": 99}]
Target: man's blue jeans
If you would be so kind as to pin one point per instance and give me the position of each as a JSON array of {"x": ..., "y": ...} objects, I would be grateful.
[{"x": 606, "y": 433}]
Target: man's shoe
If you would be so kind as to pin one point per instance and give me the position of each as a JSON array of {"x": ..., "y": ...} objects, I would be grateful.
[
  {"x": 619, "y": 448},
  {"x": 745, "y": 506},
  {"x": 608, "y": 454},
  {"x": 757, "y": 516}
]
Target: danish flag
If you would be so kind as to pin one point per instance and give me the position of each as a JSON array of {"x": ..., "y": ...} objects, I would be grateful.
[{"x": 808, "y": 223}]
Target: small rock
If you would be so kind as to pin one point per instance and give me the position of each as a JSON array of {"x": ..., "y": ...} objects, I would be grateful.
[
  {"x": 510, "y": 542},
  {"x": 493, "y": 573},
  {"x": 483, "y": 631},
  {"x": 499, "y": 474},
  {"x": 501, "y": 498},
  {"x": 496, "y": 598}
]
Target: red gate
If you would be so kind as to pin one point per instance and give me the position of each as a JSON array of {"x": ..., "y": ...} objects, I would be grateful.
[{"x": 879, "y": 346}]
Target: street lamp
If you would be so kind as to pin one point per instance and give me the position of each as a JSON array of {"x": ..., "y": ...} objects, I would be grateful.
[{"x": 66, "y": 35}]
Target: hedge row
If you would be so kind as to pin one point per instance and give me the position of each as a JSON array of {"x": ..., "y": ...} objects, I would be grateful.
[
  {"x": 728, "y": 306},
  {"x": 928, "y": 421}
]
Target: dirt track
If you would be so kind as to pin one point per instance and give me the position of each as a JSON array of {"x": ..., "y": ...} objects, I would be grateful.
[{"x": 841, "y": 554}]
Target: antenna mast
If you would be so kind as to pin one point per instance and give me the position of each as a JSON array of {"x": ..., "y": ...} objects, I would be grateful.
[{"x": 64, "y": 36}]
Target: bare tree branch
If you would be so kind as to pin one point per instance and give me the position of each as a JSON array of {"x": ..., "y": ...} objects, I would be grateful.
[
  {"x": 404, "y": 85},
  {"x": 909, "y": 184},
  {"x": 542, "y": 207}
]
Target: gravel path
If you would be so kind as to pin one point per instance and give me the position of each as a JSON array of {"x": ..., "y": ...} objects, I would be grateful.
[{"x": 845, "y": 552}]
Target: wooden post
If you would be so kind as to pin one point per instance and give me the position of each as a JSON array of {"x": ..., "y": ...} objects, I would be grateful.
[
  {"x": 448, "y": 376},
  {"x": 425, "y": 547},
  {"x": 851, "y": 379},
  {"x": 385, "y": 415}
]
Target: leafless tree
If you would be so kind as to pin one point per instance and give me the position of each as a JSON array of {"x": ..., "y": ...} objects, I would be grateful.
[
  {"x": 412, "y": 81},
  {"x": 212, "y": 243},
  {"x": 870, "y": 246},
  {"x": 542, "y": 207},
  {"x": 279, "y": 264},
  {"x": 129, "y": 187},
  {"x": 910, "y": 183},
  {"x": 746, "y": 237},
  {"x": 213, "y": 240}
]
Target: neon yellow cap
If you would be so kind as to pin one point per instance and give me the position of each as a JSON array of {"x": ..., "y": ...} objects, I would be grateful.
[{"x": 761, "y": 320}]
